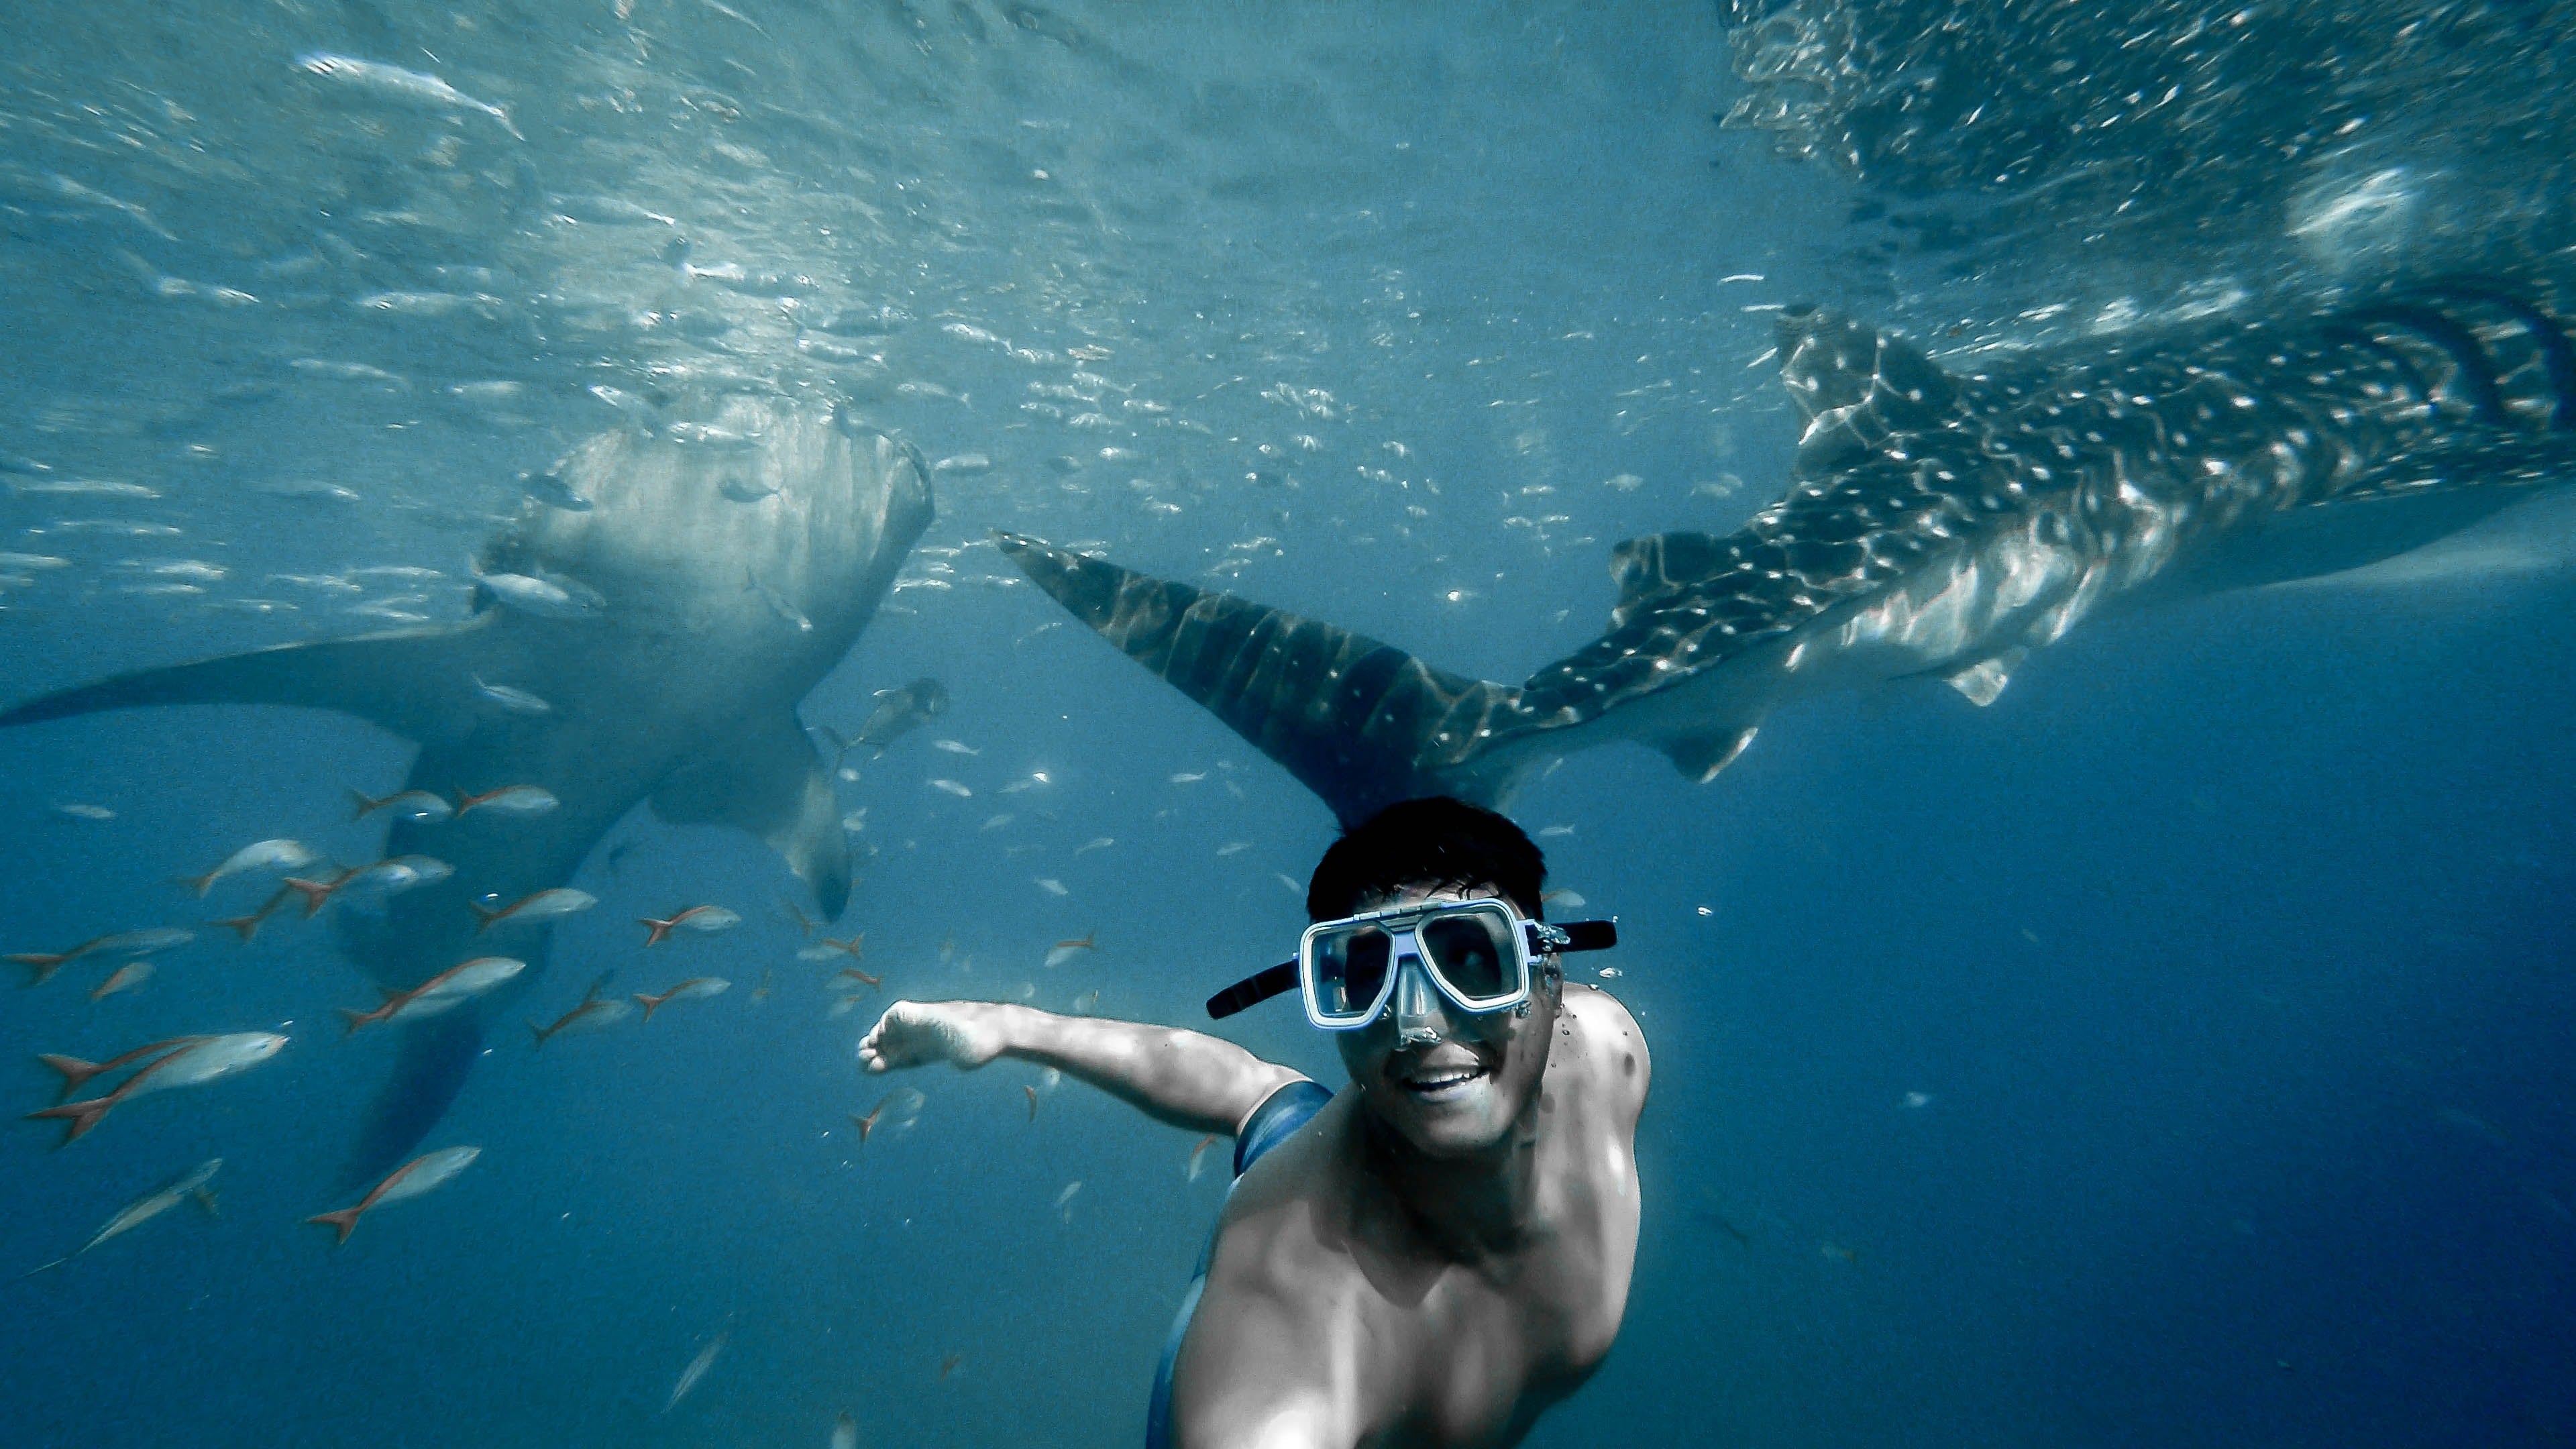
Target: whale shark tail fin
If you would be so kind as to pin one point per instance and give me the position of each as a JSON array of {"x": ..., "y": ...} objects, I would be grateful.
[
  {"x": 1361, "y": 723},
  {"x": 406, "y": 680}
]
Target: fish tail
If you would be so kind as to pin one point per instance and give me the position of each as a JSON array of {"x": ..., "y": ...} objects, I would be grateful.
[
  {"x": 484, "y": 916},
  {"x": 1360, "y": 723},
  {"x": 77, "y": 1117},
  {"x": 244, "y": 926},
  {"x": 538, "y": 1032},
  {"x": 651, "y": 1003},
  {"x": 44, "y": 964},
  {"x": 355, "y": 1019},
  {"x": 206, "y": 1199},
  {"x": 317, "y": 893},
  {"x": 658, "y": 929},
  {"x": 74, "y": 1070},
  {"x": 367, "y": 804},
  {"x": 198, "y": 883},
  {"x": 345, "y": 1222}
]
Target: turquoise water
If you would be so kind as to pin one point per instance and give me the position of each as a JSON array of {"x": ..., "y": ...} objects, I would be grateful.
[{"x": 2174, "y": 1052}]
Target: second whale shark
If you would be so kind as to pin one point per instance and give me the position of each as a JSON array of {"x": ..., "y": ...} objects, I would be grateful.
[
  {"x": 1937, "y": 524},
  {"x": 645, "y": 635}
]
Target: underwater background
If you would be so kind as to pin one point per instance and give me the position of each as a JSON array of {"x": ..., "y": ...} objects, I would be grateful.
[{"x": 2175, "y": 1053}]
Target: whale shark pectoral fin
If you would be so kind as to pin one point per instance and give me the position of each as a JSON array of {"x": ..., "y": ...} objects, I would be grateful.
[
  {"x": 769, "y": 782},
  {"x": 1361, "y": 723},
  {"x": 1983, "y": 682},
  {"x": 437, "y": 1056},
  {"x": 1700, "y": 757},
  {"x": 1855, "y": 387},
  {"x": 411, "y": 681}
]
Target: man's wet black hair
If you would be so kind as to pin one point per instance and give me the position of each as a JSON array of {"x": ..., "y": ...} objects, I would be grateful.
[{"x": 1433, "y": 840}]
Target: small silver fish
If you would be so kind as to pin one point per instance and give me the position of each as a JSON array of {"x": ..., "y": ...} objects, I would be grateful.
[
  {"x": 392, "y": 81},
  {"x": 187, "y": 1185},
  {"x": 1098, "y": 842},
  {"x": 541, "y": 598},
  {"x": 955, "y": 747},
  {"x": 407, "y": 1181},
  {"x": 545, "y": 905},
  {"x": 508, "y": 800},
  {"x": 419, "y": 805},
  {"x": 696, "y": 1370},
  {"x": 953, "y": 788},
  {"x": 516, "y": 701},
  {"x": 1052, "y": 886},
  {"x": 267, "y": 855},
  {"x": 124, "y": 978},
  {"x": 551, "y": 490},
  {"x": 779, "y": 604},
  {"x": 77, "y": 811}
]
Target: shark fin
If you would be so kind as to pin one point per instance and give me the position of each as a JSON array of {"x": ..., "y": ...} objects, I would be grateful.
[
  {"x": 410, "y": 681},
  {"x": 770, "y": 782},
  {"x": 437, "y": 1056},
  {"x": 1700, "y": 757},
  {"x": 1983, "y": 682},
  {"x": 1855, "y": 387},
  {"x": 1361, "y": 723}
]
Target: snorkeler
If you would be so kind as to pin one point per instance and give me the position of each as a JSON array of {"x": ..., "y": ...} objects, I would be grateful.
[{"x": 1438, "y": 1252}]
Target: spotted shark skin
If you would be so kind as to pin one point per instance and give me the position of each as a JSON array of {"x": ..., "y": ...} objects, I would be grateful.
[{"x": 1937, "y": 523}]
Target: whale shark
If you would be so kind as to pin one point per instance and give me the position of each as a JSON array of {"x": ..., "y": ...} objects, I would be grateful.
[
  {"x": 1937, "y": 523},
  {"x": 649, "y": 642}
]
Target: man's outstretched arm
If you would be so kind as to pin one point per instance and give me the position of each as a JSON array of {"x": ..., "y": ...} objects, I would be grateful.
[{"x": 1181, "y": 1077}]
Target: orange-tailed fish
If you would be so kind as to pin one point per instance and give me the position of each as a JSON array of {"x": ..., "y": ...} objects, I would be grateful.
[
  {"x": 407, "y": 1181},
  {"x": 131, "y": 943},
  {"x": 697, "y": 920},
  {"x": 1198, "y": 1156},
  {"x": 696, "y": 988},
  {"x": 125, "y": 978},
  {"x": 596, "y": 1011},
  {"x": 546, "y": 905},
  {"x": 824, "y": 950},
  {"x": 267, "y": 855},
  {"x": 507, "y": 800},
  {"x": 445, "y": 991},
  {"x": 1063, "y": 951},
  {"x": 197, "y": 1061},
  {"x": 421, "y": 806},
  {"x": 187, "y": 1185}
]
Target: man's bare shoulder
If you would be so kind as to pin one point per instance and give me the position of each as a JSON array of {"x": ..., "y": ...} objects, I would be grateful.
[{"x": 1602, "y": 1043}]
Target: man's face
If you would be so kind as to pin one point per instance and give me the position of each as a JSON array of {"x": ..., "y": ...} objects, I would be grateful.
[{"x": 1459, "y": 1096}]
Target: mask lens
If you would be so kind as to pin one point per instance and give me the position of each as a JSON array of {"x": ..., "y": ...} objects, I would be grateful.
[
  {"x": 1350, "y": 969},
  {"x": 1473, "y": 952}
]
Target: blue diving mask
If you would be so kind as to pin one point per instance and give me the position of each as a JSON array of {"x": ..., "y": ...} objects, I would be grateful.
[{"x": 1481, "y": 955}]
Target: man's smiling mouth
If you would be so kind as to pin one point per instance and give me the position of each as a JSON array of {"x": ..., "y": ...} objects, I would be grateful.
[{"x": 1447, "y": 1080}]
